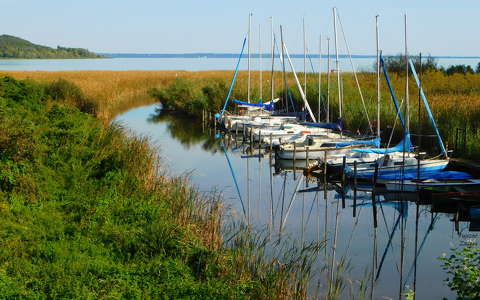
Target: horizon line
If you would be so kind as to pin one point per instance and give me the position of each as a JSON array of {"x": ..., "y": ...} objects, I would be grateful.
[{"x": 264, "y": 55}]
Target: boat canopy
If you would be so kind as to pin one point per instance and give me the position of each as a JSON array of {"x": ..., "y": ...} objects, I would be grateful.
[
  {"x": 267, "y": 106},
  {"x": 374, "y": 142},
  {"x": 404, "y": 146},
  {"x": 338, "y": 126},
  {"x": 439, "y": 175}
]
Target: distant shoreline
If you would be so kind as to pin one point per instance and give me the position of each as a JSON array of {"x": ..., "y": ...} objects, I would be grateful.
[{"x": 253, "y": 55}]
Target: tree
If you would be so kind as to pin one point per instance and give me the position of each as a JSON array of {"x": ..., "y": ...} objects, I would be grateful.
[
  {"x": 462, "y": 69},
  {"x": 397, "y": 64}
]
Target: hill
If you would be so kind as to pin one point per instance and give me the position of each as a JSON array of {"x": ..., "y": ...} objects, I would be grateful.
[{"x": 14, "y": 47}]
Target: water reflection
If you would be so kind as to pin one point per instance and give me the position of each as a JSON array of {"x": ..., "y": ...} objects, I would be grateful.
[
  {"x": 186, "y": 130},
  {"x": 378, "y": 244}
]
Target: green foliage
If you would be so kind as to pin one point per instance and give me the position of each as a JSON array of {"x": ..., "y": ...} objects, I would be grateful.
[
  {"x": 188, "y": 97},
  {"x": 14, "y": 47},
  {"x": 397, "y": 64},
  {"x": 464, "y": 268},
  {"x": 461, "y": 69},
  {"x": 64, "y": 91},
  {"x": 85, "y": 215},
  {"x": 182, "y": 95}
]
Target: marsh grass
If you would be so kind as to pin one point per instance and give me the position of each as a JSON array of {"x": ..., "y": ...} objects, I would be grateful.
[
  {"x": 89, "y": 212},
  {"x": 454, "y": 101}
]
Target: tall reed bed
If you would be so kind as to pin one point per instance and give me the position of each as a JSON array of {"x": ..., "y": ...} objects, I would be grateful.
[
  {"x": 88, "y": 212},
  {"x": 454, "y": 101}
]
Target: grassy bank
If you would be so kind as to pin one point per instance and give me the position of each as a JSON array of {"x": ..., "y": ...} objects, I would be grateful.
[
  {"x": 87, "y": 213},
  {"x": 454, "y": 100}
]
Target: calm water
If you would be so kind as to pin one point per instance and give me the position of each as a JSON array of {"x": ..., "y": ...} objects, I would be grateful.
[
  {"x": 189, "y": 64},
  {"x": 316, "y": 215}
]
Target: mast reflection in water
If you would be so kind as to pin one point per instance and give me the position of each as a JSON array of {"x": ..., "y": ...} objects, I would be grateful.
[{"x": 383, "y": 244}]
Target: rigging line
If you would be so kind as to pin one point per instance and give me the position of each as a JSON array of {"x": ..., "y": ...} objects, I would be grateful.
[
  {"x": 283, "y": 201},
  {"x": 233, "y": 80},
  {"x": 271, "y": 192},
  {"x": 291, "y": 202},
  {"x": 354, "y": 227},
  {"x": 354, "y": 72},
  {"x": 234, "y": 177},
  {"x": 311, "y": 207},
  {"x": 388, "y": 246},
  {"x": 419, "y": 250}
]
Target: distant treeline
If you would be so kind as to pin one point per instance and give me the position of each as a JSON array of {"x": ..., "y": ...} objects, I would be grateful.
[
  {"x": 14, "y": 47},
  {"x": 396, "y": 64}
]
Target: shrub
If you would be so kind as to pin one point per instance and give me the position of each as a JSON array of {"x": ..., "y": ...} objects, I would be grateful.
[
  {"x": 464, "y": 268},
  {"x": 64, "y": 91}
]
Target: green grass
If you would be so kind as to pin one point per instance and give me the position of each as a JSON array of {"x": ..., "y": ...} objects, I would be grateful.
[{"x": 87, "y": 213}]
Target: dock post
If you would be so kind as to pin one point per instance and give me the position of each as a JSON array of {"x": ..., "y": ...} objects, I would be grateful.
[
  {"x": 374, "y": 197},
  {"x": 251, "y": 138},
  {"x": 307, "y": 160},
  {"x": 344, "y": 166},
  {"x": 294, "y": 160},
  {"x": 259, "y": 143},
  {"x": 354, "y": 188},
  {"x": 243, "y": 132},
  {"x": 418, "y": 166},
  {"x": 271, "y": 141},
  {"x": 325, "y": 167}
]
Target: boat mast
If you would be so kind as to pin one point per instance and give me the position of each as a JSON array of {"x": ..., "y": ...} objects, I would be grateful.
[
  {"x": 249, "y": 44},
  {"x": 260, "y": 59},
  {"x": 273, "y": 61},
  {"x": 378, "y": 76},
  {"x": 407, "y": 107},
  {"x": 328, "y": 79},
  {"x": 319, "y": 76},
  {"x": 285, "y": 89},
  {"x": 337, "y": 67},
  {"x": 304, "y": 59},
  {"x": 299, "y": 86}
]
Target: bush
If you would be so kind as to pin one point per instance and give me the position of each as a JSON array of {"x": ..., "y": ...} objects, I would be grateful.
[
  {"x": 64, "y": 91},
  {"x": 461, "y": 69},
  {"x": 464, "y": 267},
  {"x": 181, "y": 96}
]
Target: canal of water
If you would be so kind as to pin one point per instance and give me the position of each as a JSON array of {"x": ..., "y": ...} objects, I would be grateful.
[{"x": 403, "y": 249}]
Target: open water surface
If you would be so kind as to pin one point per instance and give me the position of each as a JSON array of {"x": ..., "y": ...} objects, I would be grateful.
[
  {"x": 195, "y": 64},
  {"x": 266, "y": 198}
]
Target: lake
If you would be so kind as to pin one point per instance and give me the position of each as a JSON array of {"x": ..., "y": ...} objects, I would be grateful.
[
  {"x": 192, "y": 64},
  {"x": 270, "y": 193}
]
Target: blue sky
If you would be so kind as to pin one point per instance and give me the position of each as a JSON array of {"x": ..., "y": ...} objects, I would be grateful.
[{"x": 146, "y": 26}]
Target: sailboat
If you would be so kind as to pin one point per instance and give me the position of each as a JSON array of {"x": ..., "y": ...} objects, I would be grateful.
[
  {"x": 333, "y": 143},
  {"x": 399, "y": 162}
]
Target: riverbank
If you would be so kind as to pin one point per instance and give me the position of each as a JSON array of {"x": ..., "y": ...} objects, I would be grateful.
[{"x": 88, "y": 213}]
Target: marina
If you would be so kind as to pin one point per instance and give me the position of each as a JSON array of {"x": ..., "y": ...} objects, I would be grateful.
[{"x": 310, "y": 206}]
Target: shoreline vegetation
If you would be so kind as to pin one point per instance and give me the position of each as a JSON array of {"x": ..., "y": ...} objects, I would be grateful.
[
  {"x": 12, "y": 47},
  {"x": 88, "y": 212}
]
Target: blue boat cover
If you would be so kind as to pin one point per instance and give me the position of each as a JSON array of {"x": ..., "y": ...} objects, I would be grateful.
[
  {"x": 440, "y": 175},
  {"x": 375, "y": 143},
  {"x": 269, "y": 107},
  {"x": 338, "y": 126},
  {"x": 404, "y": 146}
]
